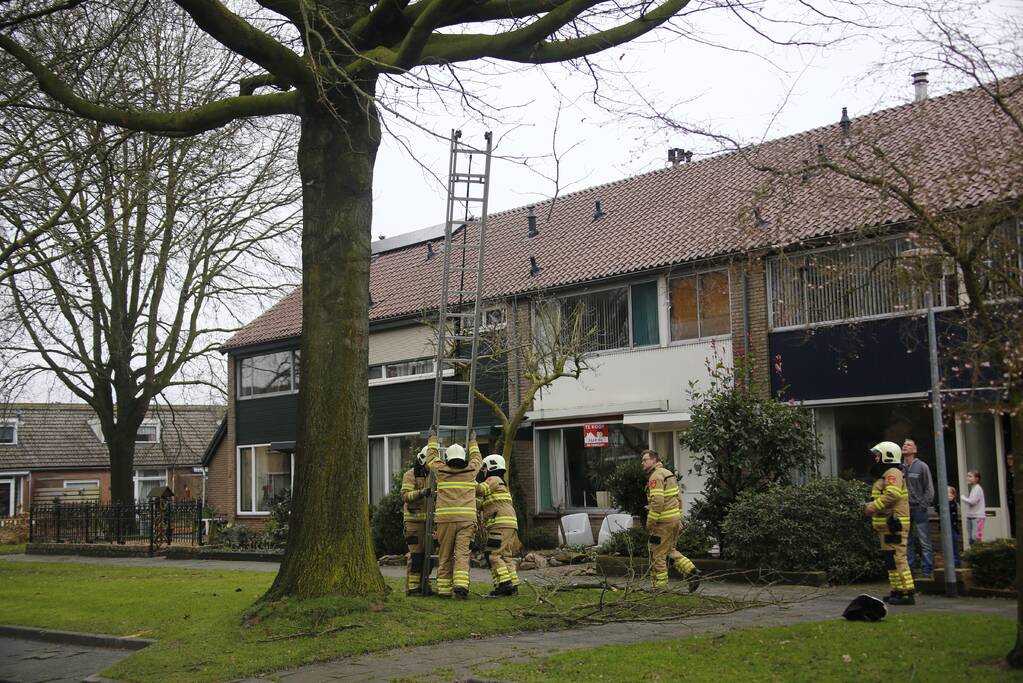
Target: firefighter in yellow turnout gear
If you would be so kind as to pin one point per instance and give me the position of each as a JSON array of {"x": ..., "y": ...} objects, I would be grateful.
[
  {"x": 889, "y": 513},
  {"x": 498, "y": 515},
  {"x": 454, "y": 513},
  {"x": 664, "y": 523},
  {"x": 415, "y": 489}
]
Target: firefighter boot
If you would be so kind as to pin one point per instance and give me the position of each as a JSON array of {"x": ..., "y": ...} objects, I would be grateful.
[
  {"x": 504, "y": 588},
  {"x": 902, "y": 598},
  {"x": 461, "y": 593}
]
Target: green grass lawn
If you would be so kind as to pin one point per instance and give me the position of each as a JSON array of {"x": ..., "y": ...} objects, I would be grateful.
[
  {"x": 906, "y": 647},
  {"x": 197, "y": 617},
  {"x": 12, "y": 549}
]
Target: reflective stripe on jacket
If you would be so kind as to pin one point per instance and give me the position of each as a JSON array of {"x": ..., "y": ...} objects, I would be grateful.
[
  {"x": 414, "y": 509},
  {"x": 496, "y": 506},
  {"x": 664, "y": 497},
  {"x": 891, "y": 499},
  {"x": 456, "y": 488}
]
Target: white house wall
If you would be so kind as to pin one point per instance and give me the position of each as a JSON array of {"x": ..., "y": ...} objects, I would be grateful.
[{"x": 635, "y": 378}]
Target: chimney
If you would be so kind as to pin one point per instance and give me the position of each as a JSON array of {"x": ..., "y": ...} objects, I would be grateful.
[
  {"x": 531, "y": 223},
  {"x": 845, "y": 123},
  {"x": 920, "y": 86},
  {"x": 677, "y": 155}
]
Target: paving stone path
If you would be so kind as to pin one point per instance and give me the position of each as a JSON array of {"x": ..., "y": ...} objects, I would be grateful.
[
  {"x": 461, "y": 659},
  {"x": 32, "y": 661}
]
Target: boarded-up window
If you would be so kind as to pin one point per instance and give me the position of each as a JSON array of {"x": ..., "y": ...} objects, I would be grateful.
[{"x": 699, "y": 305}]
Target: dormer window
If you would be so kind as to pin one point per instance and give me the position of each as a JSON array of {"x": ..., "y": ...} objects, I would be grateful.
[
  {"x": 149, "y": 432},
  {"x": 8, "y": 432}
]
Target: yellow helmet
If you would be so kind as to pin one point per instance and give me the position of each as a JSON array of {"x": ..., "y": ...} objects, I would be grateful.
[{"x": 890, "y": 452}]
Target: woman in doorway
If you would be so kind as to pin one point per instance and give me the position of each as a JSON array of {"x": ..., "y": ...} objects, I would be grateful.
[{"x": 973, "y": 506}]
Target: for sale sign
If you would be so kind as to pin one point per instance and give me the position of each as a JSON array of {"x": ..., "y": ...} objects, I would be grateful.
[{"x": 595, "y": 436}]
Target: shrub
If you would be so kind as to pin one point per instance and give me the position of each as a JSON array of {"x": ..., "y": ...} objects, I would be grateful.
[
  {"x": 241, "y": 537},
  {"x": 695, "y": 539},
  {"x": 542, "y": 538},
  {"x": 626, "y": 482},
  {"x": 816, "y": 526},
  {"x": 692, "y": 542},
  {"x": 993, "y": 563},
  {"x": 742, "y": 441},
  {"x": 280, "y": 516},
  {"x": 388, "y": 522},
  {"x": 628, "y": 543}
]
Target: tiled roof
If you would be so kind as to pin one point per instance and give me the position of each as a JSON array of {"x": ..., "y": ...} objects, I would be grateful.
[
  {"x": 60, "y": 435},
  {"x": 959, "y": 150}
]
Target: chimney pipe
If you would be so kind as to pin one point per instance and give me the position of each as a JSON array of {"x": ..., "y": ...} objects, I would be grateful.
[
  {"x": 531, "y": 223},
  {"x": 920, "y": 86},
  {"x": 845, "y": 123}
]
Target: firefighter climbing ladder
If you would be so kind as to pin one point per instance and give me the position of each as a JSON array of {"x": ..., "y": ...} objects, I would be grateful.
[{"x": 459, "y": 310}]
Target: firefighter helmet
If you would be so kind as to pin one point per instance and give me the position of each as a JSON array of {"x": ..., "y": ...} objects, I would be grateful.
[
  {"x": 890, "y": 452},
  {"x": 494, "y": 463},
  {"x": 454, "y": 454},
  {"x": 422, "y": 456}
]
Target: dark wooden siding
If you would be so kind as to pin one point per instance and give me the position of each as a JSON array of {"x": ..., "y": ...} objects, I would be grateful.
[{"x": 393, "y": 409}]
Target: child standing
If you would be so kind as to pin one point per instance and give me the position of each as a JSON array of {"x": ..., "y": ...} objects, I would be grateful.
[{"x": 973, "y": 506}]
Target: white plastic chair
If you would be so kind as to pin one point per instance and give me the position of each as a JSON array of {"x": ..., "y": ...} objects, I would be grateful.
[
  {"x": 612, "y": 524},
  {"x": 577, "y": 530}
]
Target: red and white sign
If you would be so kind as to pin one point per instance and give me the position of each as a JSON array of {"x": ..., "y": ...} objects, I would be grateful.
[{"x": 596, "y": 436}]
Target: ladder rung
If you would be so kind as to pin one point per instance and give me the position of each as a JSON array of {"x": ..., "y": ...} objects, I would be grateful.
[
  {"x": 454, "y": 383},
  {"x": 469, "y": 199},
  {"x": 459, "y": 337},
  {"x": 449, "y": 314},
  {"x": 452, "y": 428},
  {"x": 464, "y": 361},
  {"x": 460, "y": 177},
  {"x": 453, "y": 405}
]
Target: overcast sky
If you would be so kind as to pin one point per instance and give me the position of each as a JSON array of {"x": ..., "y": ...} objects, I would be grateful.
[{"x": 763, "y": 93}]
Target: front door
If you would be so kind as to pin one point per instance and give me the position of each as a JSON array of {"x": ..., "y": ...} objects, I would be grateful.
[
  {"x": 6, "y": 497},
  {"x": 980, "y": 447}
]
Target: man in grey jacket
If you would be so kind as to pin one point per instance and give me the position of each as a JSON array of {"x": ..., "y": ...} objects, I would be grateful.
[{"x": 921, "y": 497}]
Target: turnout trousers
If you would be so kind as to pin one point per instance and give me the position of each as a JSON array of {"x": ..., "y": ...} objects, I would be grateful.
[
  {"x": 663, "y": 537},
  {"x": 453, "y": 555},
  {"x": 502, "y": 545},
  {"x": 414, "y": 559},
  {"x": 893, "y": 552}
]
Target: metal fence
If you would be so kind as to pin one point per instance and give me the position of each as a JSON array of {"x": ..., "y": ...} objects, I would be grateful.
[{"x": 154, "y": 523}]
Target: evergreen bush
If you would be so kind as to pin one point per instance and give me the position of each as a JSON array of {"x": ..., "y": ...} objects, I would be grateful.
[
  {"x": 388, "y": 522},
  {"x": 816, "y": 526},
  {"x": 993, "y": 563}
]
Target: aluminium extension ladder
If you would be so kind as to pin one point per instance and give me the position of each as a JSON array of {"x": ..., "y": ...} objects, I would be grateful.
[{"x": 458, "y": 321}]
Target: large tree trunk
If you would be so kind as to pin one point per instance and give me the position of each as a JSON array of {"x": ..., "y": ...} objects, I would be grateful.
[
  {"x": 1015, "y": 657},
  {"x": 121, "y": 447},
  {"x": 330, "y": 548}
]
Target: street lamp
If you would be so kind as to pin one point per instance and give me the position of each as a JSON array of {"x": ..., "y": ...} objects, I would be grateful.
[{"x": 931, "y": 261}]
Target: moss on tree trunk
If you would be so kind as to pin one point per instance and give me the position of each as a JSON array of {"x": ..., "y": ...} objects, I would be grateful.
[{"x": 329, "y": 544}]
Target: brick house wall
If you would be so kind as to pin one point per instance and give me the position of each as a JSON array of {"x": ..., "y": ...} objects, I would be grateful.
[
  {"x": 220, "y": 476},
  {"x": 755, "y": 344}
]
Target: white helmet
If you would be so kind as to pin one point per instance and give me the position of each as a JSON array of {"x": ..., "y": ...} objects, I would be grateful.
[
  {"x": 454, "y": 452},
  {"x": 423, "y": 454},
  {"x": 890, "y": 452},
  {"x": 493, "y": 463}
]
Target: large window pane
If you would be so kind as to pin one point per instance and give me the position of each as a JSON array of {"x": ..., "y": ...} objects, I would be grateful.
[
  {"x": 400, "y": 452},
  {"x": 584, "y": 466},
  {"x": 714, "y": 309},
  {"x": 266, "y": 374},
  {"x": 273, "y": 475},
  {"x": 245, "y": 480},
  {"x": 376, "y": 470},
  {"x": 604, "y": 318},
  {"x": 684, "y": 309},
  {"x": 644, "y": 314}
]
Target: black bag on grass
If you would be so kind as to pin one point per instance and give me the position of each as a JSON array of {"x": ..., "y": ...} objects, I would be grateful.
[{"x": 865, "y": 608}]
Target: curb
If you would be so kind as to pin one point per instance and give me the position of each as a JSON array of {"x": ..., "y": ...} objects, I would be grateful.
[{"x": 74, "y": 638}]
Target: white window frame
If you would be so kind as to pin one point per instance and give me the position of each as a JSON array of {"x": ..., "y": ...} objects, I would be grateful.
[
  {"x": 448, "y": 372},
  {"x": 12, "y": 505},
  {"x": 387, "y": 456},
  {"x": 238, "y": 480},
  {"x": 560, "y": 473},
  {"x": 150, "y": 422},
  {"x": 137, "y": 480},
  {"x": 701, "y": 337},
  {"x": 81, "y": 482},
  {"x": 11, "y": 422},
  {"x": 627, "y": 286},
  {"x": 942, "y": 305},
  {"x": 238, "y": 376}
]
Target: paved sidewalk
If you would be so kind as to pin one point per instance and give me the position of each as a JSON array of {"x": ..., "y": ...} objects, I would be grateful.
[
  {"x": 33, "y": 661},
  {"x": 458, "y": 659}
]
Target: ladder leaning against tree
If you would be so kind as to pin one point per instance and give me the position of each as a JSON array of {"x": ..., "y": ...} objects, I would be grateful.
[{"x": 458, "y": 320}]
